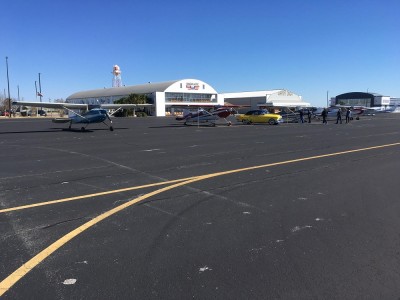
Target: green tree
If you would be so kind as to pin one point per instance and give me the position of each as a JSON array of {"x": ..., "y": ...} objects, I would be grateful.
[{"x": 132, "y": 99}]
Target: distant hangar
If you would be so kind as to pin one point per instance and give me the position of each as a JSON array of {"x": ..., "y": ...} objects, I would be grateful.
[
  {"x": 361, "y": 99},
  {"x": 265, "y": 99}
]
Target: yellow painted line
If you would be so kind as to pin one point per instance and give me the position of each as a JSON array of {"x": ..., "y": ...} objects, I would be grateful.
[
  {"x": 13, "y": 278},
  {"x": 301, "y": 159},
  {"x": 88, "y": 196}
]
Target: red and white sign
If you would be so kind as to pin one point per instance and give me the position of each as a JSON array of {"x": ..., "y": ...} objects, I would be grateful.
[{"x": 192, "y": 86}]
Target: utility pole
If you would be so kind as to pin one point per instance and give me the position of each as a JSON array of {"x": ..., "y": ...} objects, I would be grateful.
[
  {"x": 40, "y": 91},
  {"x": 8, "y": 86}
]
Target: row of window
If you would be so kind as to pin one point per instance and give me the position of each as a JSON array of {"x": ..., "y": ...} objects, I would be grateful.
[
  {"x": 186, "y": 97},
  {"x": 95, "y": 101},
  {"x": 355, "y": 102}
]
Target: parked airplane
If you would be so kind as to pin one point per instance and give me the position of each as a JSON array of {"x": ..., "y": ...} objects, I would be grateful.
[
  {"x": 355, "y": 110},
  {"x": 206, "y": 117},
  {"x": 332, "y": 112},
  {"x": 366, "y": 111},
  {"x": 91, "y": 113}
]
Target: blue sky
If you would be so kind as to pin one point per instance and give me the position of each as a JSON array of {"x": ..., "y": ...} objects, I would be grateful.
[{"x": 306, "y": 46}]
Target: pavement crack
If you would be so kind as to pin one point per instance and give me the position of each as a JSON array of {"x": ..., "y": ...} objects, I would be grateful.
[{"x": 62, "y": 222}]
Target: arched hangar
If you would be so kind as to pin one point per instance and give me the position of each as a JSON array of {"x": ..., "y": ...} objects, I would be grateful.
[
  {"x": 165, "y": 96},
  {"x": 362, "y": 99}
]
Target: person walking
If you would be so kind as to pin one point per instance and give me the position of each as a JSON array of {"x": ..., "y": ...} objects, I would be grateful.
[
  {"x": 301, "y": 116},
  {"x": 348, "y": 114},
  {"x": 339, "y": 116},
  {"x": 309, "y": 116},
  {"x": 324, "y": 114}
]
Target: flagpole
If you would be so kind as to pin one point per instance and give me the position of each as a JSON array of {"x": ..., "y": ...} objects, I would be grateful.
[{"x": 36, "y": 94}]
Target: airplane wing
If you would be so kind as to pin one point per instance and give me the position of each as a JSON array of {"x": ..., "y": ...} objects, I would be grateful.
[
  {"x": 52, "y": 105},
  {"x": 69, "y": 106},
  {"x": 116, "y": 106}
]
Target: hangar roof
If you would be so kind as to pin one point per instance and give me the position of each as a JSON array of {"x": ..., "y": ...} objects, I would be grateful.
[
  {"x": 146, "y": 88},
  {"x": 359, "y": 94}
]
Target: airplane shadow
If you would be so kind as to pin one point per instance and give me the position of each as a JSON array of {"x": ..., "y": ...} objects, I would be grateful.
[
  {"x": 89, "y": 130},
  {"x": 170, "y": 126},
  {"x": 189, "y": 125},
  {"x": 57, "y": 130}
]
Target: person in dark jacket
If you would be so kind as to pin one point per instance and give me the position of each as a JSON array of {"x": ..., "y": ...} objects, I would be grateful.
[
  {"x": 309, "y": 116},
  {"x": 339, "y": 116},
  {"x": 324, "y": 114},
  {"x": 301, "y": 116},
  {"x": 348, "y": 114}
]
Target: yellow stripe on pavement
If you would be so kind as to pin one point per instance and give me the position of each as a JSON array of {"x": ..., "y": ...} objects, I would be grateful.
[{"x": 87, "y": 196}]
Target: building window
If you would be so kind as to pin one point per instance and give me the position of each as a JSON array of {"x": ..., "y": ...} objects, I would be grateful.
[
  {"x": 189, "y": 97},
  {"x": 355, "y": 102}
]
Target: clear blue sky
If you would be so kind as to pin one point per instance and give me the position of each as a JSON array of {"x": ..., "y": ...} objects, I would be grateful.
[{"x": 306, "y": 46}]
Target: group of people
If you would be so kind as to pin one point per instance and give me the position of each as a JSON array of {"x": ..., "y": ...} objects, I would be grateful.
[
  {"x": 309, "y": 116},
  {"x": 324, "y": 115}
]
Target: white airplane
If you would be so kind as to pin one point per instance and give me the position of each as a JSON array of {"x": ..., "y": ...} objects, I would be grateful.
[
  {"x": 207, "y": 117},
  {"x": 91, "y": 113},
  {"x": 359, "y": 110}
]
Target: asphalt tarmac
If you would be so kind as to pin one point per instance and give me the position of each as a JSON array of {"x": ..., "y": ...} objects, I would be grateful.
[{"x": 158, "y": 210}]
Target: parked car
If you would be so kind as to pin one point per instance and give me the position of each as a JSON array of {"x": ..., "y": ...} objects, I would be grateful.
[
  {"x": 41, "y": 112},
  {"x": 26, "y": 113},
  {"x": 259, "y": 116}
]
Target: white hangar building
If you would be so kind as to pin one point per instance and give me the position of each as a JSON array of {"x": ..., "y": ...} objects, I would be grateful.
[
  {"x": 264, "y": 99},
  {"x": 165, "y": 96},
  {"x": 171, "y": 96}
]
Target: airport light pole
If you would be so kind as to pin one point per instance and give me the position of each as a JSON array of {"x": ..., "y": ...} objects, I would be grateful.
[
  {"x": 327, "y": 97},
  {"x": 8, "y": 87},
  {"x": 40, "y": 91},
  {"x": 36, "y": 93}
]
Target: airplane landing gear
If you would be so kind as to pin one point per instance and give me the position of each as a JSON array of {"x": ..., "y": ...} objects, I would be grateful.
[{"x": 111, "y": 128}]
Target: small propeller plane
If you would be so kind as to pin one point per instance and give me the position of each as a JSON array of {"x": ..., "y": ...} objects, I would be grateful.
[
  {"x": 91, "y": 113},
  {"x": 369, "y": 111},
  {"x": 202, "y": 116}
]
